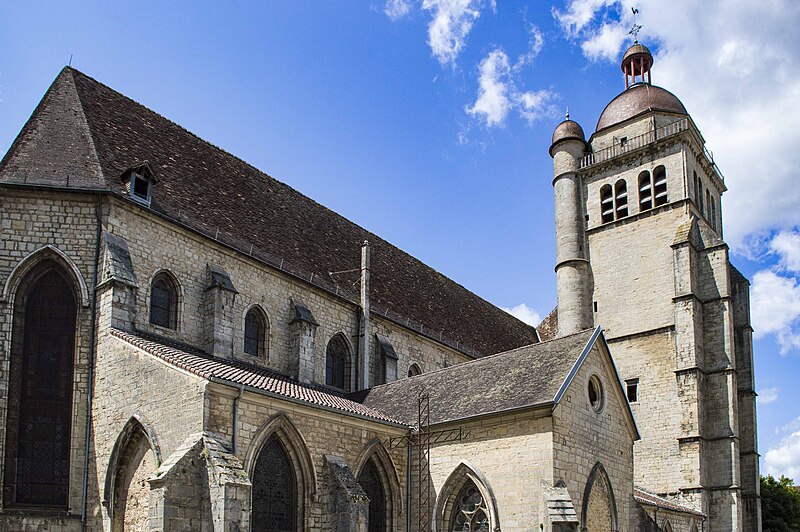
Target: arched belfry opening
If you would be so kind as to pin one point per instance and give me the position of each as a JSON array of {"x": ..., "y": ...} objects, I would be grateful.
[{"x": 38, "y": 424}]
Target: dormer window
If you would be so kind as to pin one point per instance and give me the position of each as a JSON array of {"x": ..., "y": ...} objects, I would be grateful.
[
  {"x": 139, "y": 181},
  {"x": 140, "y": 188}
]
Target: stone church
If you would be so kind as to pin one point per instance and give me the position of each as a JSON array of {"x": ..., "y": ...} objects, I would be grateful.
[{"x": 189, "y": 344}]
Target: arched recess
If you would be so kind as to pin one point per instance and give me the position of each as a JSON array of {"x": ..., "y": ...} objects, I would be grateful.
[
  {"x": 339, "y": 363},
  {"x": 46, "y": 253},
  {"x": 414, "y": 370},
  {"x": 376, "y": 457},
  {"x": 41, "y": 381},
  {"x": 599, "y": 508},
  {"x": 281, "y": 428},
  {"x": 461, "y": 482},
  {"x": 135, "y": 456},
  {"x": 666, "y": 526}
]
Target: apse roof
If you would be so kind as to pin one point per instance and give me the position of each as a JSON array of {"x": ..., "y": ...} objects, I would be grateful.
[{"x": 85, "y": 135}]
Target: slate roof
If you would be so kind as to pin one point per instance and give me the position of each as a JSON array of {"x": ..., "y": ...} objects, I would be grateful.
[
  {"x": 238, "y": 373},
  {"x": 644, "y": 497},
  {"x": 524, "y": 377},
  {"x": 85, "y": 135}
]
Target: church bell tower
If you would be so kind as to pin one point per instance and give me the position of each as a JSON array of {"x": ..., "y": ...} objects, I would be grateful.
[{"x": 640, "y": 251}]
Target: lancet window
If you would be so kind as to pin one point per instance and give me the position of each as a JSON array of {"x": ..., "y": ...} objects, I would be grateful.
[
  {"x": 40, "y": 392},
  {"x": 274, "y": 490}
]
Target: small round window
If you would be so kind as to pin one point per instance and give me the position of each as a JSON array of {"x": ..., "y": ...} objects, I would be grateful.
[{"x": 595, "y": 390}]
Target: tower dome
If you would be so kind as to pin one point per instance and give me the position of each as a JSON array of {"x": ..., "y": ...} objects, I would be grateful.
[
  {"x": 640, "y": 94},
  {"x": 567, "y": 130}
]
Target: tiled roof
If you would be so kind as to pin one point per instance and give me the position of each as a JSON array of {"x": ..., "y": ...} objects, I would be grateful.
[
  {"x": 238, "y": 373},
  {"x": 548, "y": 329},
  {"x": 84, "y": 134},
  {"x": 644, "y": 497},
  {"x": 524, "y": 377}
]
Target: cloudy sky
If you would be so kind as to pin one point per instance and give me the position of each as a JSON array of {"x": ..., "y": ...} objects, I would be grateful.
[{"x": 429, "y": 121}]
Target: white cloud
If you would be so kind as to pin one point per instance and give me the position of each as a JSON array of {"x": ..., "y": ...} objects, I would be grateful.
[
  {"x": 493, "y": 101},
  {"x": 606, "y": 43},
  {"x": 768, "y": 395},
  {"x": 775, "y": 302},
  {"x": 784, "y": 459},
  {"x": 734, "y": 66},
  {"x": 397, "y": 9},
  {"x": 535, "y": 45},
  {"x": 451, "y": 23},
  {"x": 524, "y": 313},
  {"x": 498, "y": 93},
  {"x": 786, "y": 245}
]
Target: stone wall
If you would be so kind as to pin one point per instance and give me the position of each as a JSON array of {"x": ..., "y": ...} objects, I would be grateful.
[
  {"x": 29, "y": 221},
  {"x": 132, "y": 384},
  {"x": 309, "y": 435},
  {"x": 156, "y": 245},
  {"x": 584, "y": 438},
  {"x": 513, "y": 453}
]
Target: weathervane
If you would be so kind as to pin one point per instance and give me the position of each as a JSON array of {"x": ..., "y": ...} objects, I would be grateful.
[{"x": 636, "y": 27}]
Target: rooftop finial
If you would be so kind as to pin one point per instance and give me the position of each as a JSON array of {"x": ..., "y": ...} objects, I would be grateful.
[
  {"x": 567, "y": 117},
  {"x": 636, "y": 27}
]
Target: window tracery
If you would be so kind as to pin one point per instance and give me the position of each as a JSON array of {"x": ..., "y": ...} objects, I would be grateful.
[
  {"x": 470, "y": 513},
  {"x": 274, "y": 490},
  {"x": 40, "y": 395},
  {"x": 337, "y": 364}
]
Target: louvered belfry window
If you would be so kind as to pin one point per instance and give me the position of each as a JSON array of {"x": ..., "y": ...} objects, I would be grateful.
[
  {"x": 371, "y": 483},
  {"x": 274, "y": 490},
  {"x": 40, "y": 397}
]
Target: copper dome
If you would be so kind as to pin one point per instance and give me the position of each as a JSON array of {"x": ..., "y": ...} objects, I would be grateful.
[
  {"x": 638, "y": 99},
  {"x": 568, "y": 129}
]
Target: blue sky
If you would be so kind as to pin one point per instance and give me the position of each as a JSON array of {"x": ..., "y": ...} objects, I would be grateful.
[{"x": 428, "y": 122}]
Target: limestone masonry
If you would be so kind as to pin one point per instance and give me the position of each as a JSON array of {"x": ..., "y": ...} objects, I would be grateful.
[{"x": 188, "y": 344}]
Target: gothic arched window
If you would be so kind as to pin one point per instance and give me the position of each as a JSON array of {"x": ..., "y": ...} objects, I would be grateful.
[
  {"x": 371, "y": 482},
  {"x": 274, "y": 499},
  {"x": 470, "y": 512},
  {"x": 713, "y": 213},
  {"x": 164, "y": 301},
  {"x": 255, "y": 329},
  {"x": 337, "y": 364},
  {"x": 414, "y": 370},
  {"x": 40, "y": 392}
]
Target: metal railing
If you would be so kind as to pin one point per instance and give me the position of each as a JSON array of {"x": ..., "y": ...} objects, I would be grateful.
[{"x": 640, "y": 141}]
